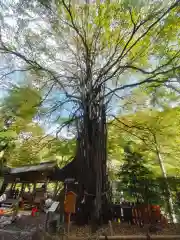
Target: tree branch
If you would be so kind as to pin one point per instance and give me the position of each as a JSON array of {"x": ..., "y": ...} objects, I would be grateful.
[
  {"x": 147, "y": 80},
  {"x": 74, "y": 26},
  {"x": 36, "y": 66},
  {"x": 124, "y": 52}
]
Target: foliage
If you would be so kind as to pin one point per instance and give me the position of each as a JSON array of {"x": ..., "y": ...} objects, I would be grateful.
[
  {"x": 25, "y": 139},
  {"x": 21, "y": 102},
  {"x": 17, "y": 112},
  {"x": 60, "y": 149},
  {"x": 141, "y": 127},
  {"x": 136, "y": 178}
]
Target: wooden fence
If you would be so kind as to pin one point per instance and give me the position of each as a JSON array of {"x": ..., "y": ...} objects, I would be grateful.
[{"x": 137, "y": 214}]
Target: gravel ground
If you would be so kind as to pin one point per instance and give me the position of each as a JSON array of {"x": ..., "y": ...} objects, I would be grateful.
[
  {"x": 125, "y": 229},
  {"x": 23, "y": 229},
  {"x": 14, "y": 236}
]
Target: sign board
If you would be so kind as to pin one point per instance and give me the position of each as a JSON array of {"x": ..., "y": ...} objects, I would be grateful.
[
  {"x": 53, "y": 207},
  {"x": 69, "y": 180},
  {"x": 70, "y": 202}
]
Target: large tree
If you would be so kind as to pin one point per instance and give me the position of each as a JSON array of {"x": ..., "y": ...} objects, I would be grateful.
[{"x": 87, "y": 54}]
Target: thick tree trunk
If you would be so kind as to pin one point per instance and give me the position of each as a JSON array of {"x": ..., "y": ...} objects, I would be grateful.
[
  {"x": 168, "y": 191},
  {"x": 91, "y": 157}
]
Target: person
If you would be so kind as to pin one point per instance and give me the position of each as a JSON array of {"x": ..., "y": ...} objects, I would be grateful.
[{"x": 48, "y": 201}]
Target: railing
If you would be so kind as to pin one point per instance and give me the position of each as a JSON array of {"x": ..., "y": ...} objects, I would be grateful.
[{"x": 137, "y": 214}]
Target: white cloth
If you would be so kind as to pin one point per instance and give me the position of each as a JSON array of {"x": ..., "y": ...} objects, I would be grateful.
[
  {"x": 3, "y": 197},
  {"x": 48, "y": 202}
]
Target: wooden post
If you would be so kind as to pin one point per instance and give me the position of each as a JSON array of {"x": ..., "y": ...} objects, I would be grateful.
[
  {"x": 22, "y": 188},
  {"x": 34, "y": 187},
  {"x": 15, "y": 210},
  {"x": 14, "y": 186},
  {"x": 46, "y": 183},
  {"x": 69, "y": 207},
  {"x": 11, "y": 188},
  {"x": 68, "y": 223},
  {"x": 55, "y": 189},
  {"x": 111, "y": 229},
  {"x": 46, "y": 221}
]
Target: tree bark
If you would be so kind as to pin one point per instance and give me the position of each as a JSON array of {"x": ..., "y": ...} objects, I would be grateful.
[
  {"x": 91, "y": 155},
  {"x": 168, "y": 191}
]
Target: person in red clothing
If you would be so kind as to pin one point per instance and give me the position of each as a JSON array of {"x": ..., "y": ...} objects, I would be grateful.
[{"x": 34, "y": 211}]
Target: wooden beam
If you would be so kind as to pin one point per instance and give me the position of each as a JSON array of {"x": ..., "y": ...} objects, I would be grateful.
[{"x": 135, "y": 237}]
